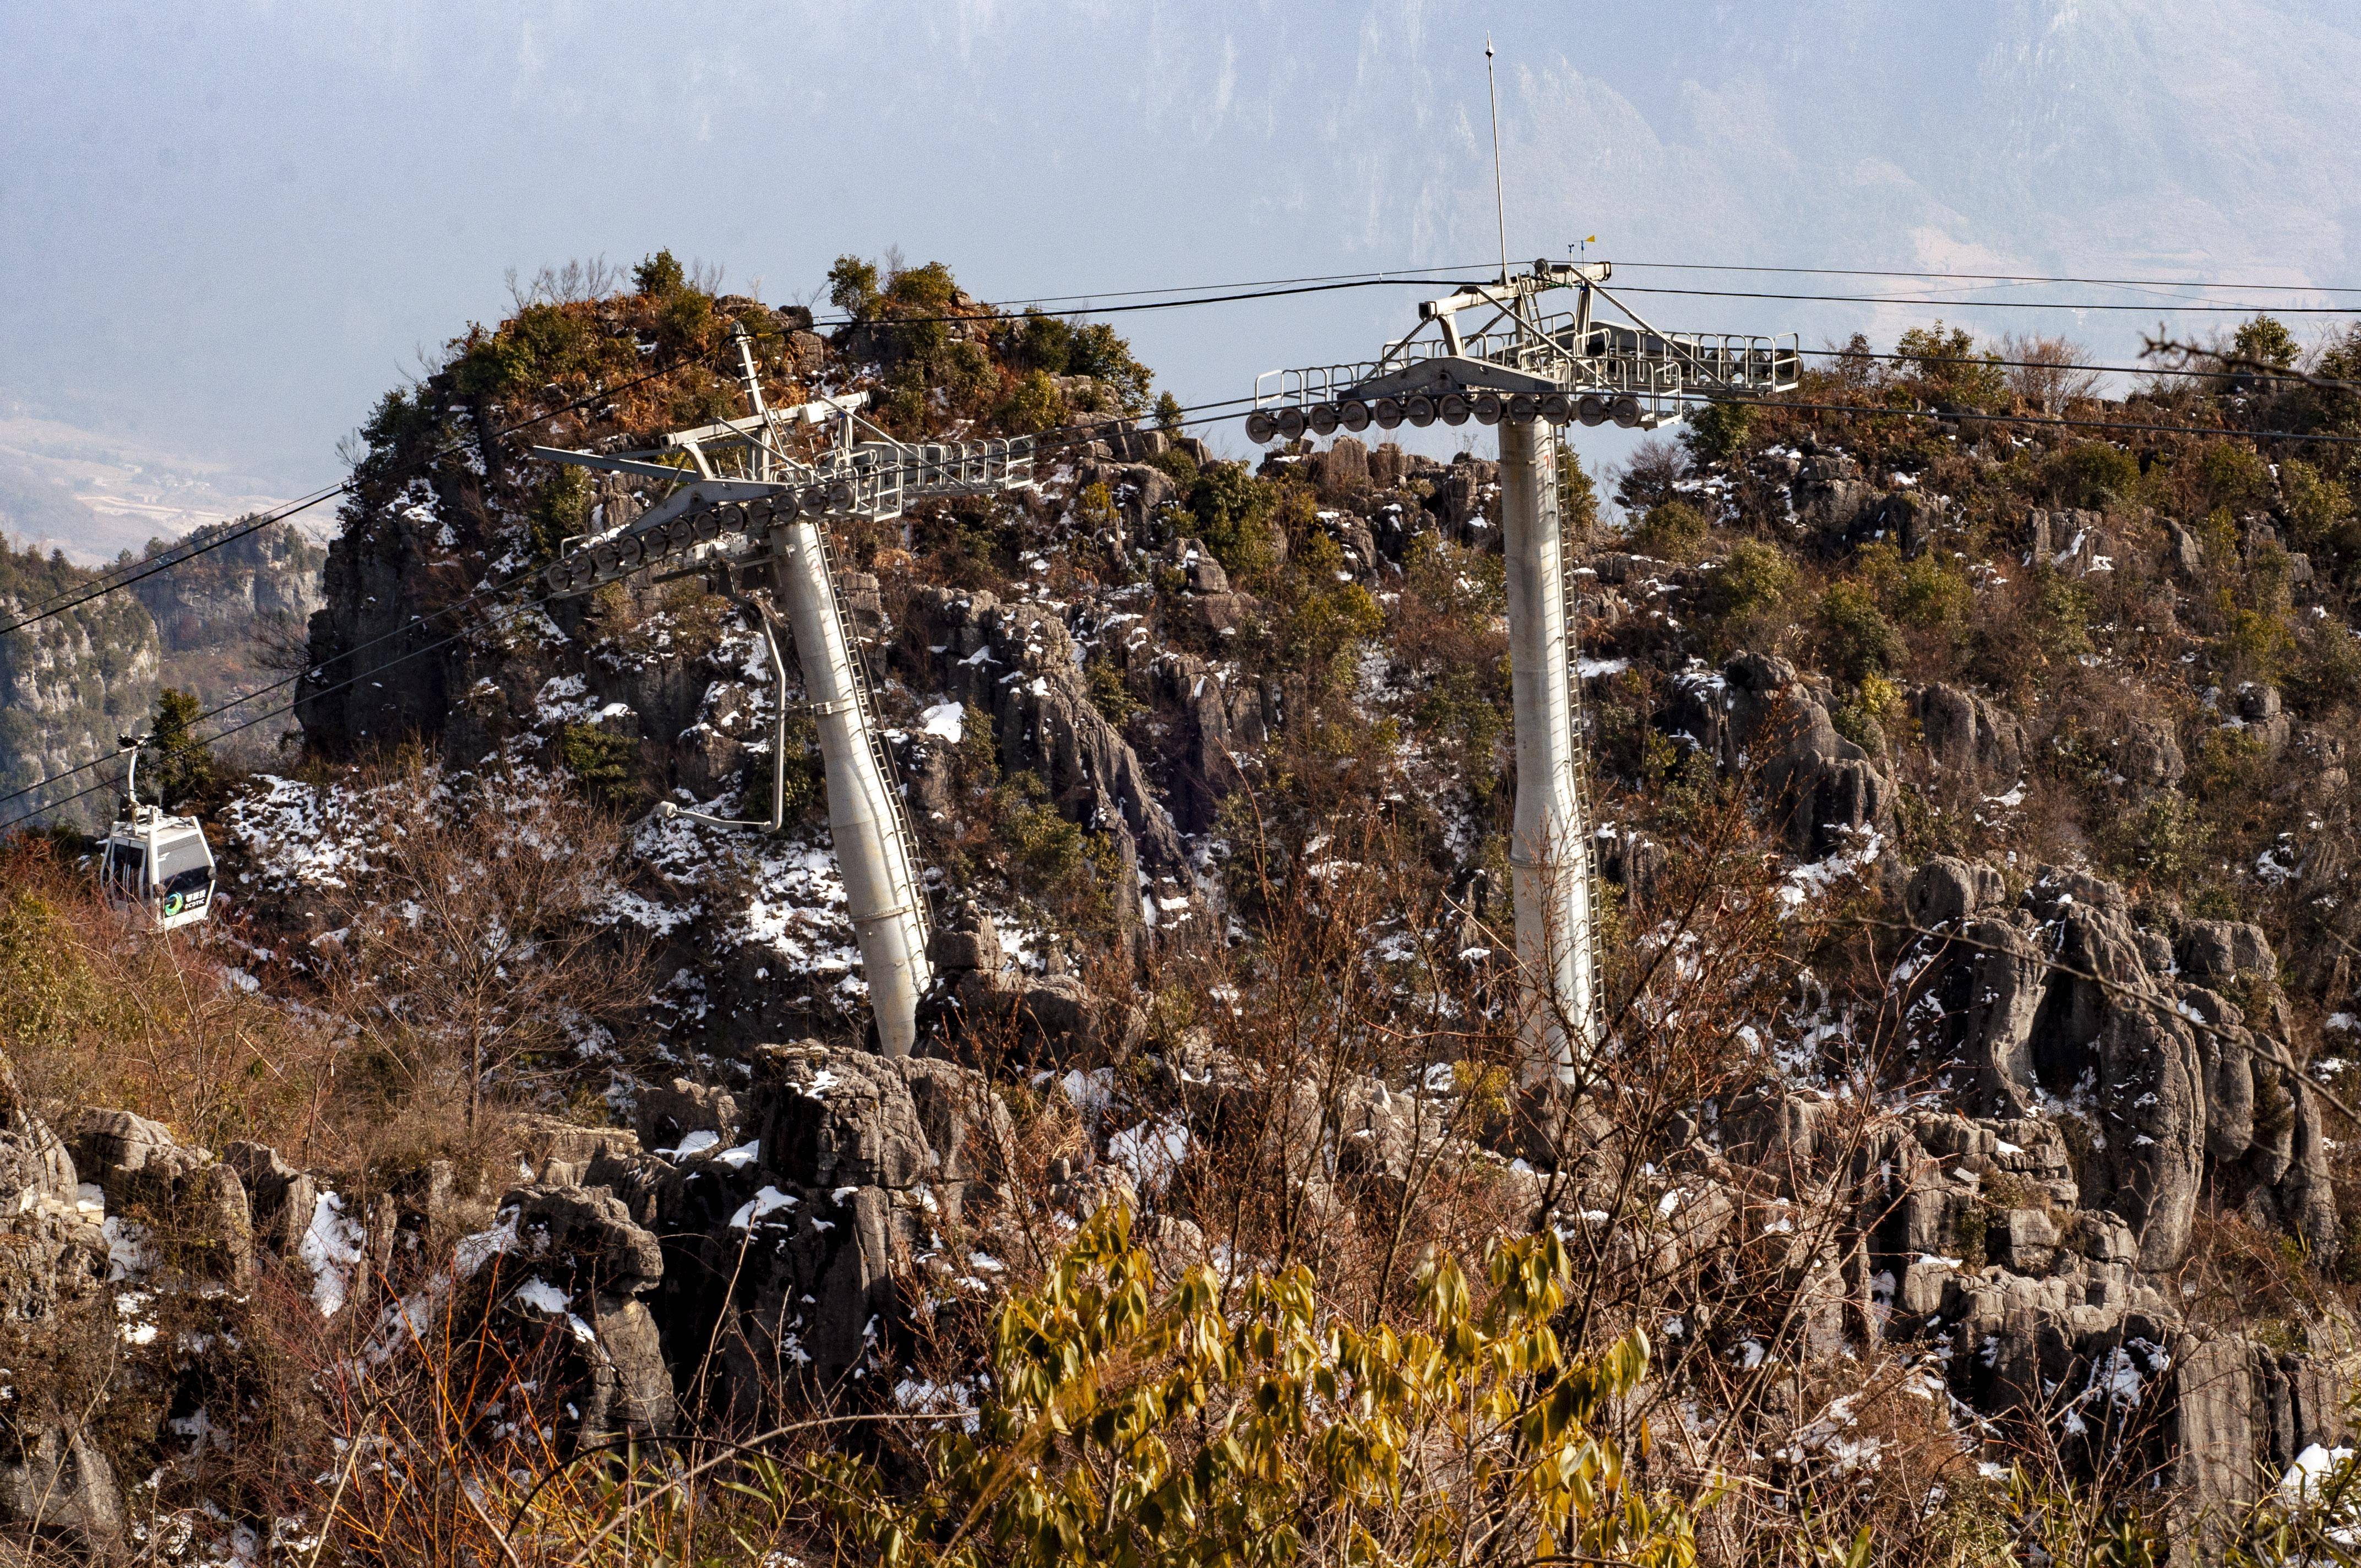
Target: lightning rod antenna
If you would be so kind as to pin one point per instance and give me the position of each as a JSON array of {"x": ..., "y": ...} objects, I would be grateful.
[{"x": 1500, "y": 205}]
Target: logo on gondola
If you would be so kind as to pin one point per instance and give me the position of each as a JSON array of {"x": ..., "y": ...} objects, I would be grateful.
[{"x": 173, "y": 905}]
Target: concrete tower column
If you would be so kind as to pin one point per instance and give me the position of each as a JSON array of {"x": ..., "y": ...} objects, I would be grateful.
[
  {"x": 1550, "y": 850},
  {"x": 879, "y": 870}
]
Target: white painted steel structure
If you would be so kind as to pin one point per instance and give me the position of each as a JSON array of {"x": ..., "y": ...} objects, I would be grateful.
[
  {"x": 759, "y": 534},
  {"x": 1530, "y": 374}
]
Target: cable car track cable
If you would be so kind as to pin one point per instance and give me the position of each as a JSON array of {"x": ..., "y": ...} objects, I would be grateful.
[
  {"x": 87, "y": 592},
  {"x": 536, "y": 602}
]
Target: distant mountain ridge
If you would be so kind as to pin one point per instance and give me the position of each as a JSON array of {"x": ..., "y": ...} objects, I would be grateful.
[{"x": 212, "y": 624}]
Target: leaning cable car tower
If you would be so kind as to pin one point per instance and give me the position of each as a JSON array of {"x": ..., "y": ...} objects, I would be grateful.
[
  {"x": 750, "y": 515},
  {"x": 1530, "y": 375}
]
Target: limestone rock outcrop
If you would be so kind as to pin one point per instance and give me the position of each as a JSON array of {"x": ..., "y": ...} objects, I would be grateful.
[
  {"x": 2068, "y": 998},
  {"x": 1016, "y": 663},
  {"x": 780, "y": 1252},
  {"x": 1757, "y": 714}
]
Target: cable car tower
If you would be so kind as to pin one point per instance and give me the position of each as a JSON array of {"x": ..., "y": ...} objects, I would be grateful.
[
  {"x": 1530, "y": 375},
  {"x": 758, "y": 534}
]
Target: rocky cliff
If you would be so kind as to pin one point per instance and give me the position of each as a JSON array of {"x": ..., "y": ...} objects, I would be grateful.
[{"x": 1977, "y": 849}]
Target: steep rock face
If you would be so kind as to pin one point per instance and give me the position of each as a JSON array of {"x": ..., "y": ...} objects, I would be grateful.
[
  {"x": 1970, "y": 740},
  {"x": 214, "y": 601},
  {"x": 1045, "y": 1018},
  {"x": 1016, "y": 663},
  {"x": 1973, "y": 1235},
  {"x": 780, "y": 1251},
  {"x": 70, "y": 686},
  {"x": 1758, "y": 714},
  {"x": 388, "y": 574},
  {"x": 1223, "y": 715},
  {"x": 586, "y": 1256},
  {"x": 55, "y": 1319},
  {"x": 2069, "y": 999}
]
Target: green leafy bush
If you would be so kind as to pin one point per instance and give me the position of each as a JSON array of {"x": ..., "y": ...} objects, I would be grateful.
[
  {"x": 1754, "y": 579},
  {"x": 1034, "y": 404},
  {"x": 659, "y": 274},
  {"x": 1856, "y": 639},
  {"x": 177, "y": 768},
  {"x": 2061, "y": 618},
  {"x": 1932, "y": 593},
  {"x": 2090, "y": 475},
  {"x": 852, "y": 287},
  {"x": 1675, "y": 530},
  {"x": 1947, "y": 369},
  {"x": 2163, "y": 839},
  {"x": 2232, "y": 474},
  {"x": 1718, "y": 432},
  {"x": 2265, "y": 339},
  {"x": 600, "y": 760},
  {"x": 560, "y": 512},
  {"x": 1233, "y": 512}
]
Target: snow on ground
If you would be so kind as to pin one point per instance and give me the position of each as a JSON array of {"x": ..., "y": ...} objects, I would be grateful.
[
  {"x": 307, "y": 835},
  {"x": 332, "y": 1248}
]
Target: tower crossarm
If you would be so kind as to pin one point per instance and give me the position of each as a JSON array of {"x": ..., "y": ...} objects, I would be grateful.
[
  {"x": 875, "y": 479},
  {"x": 1573, "y": 365}
]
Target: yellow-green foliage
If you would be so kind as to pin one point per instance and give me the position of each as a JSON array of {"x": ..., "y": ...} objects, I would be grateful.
[
  {"x": 1233, "y": 510},
  {"x": 2255, "y": 642},
  {"x": 1034, "y": 404},
  {"x": 1324, "y": 620},
  {"x": 1111, "y": 693},
  {"x": 1670, "y": 529},
  {"x": 1051, "y": 858},
  {"x": 2231, "y": 473},
  {"x": 1856, "y": 639},
  {"x": 2090, "y": 474},
  {"x": 1948, "y": 367},
  {"x": 560, "y": 512},
  {"x": 600, "y": 759},
  {"x": 1931, "y": 593},
  {"x": 1755, "y": 578},
  {"x": 2266, "y": 340},
  {"x": 1133, "y": 1426},
  {"x": 2061, "y": 617}
]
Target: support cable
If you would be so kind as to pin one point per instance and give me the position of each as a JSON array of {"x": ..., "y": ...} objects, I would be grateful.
[
  {"x": 534, "y": 602},
  {"x": 1000, "y": 314},
  {"x": 74, "y": 597}
]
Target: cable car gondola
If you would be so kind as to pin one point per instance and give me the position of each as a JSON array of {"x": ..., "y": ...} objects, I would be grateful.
[{"x": 154, "y": 863}]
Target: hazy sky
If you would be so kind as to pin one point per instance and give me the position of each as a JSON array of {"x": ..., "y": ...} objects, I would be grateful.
[{"x": 226, "y": 228}]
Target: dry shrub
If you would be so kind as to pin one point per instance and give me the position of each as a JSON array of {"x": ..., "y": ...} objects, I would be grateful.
[
  {"x": 95, "y": 1011},
  {"x": 481, "y": 954}
]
